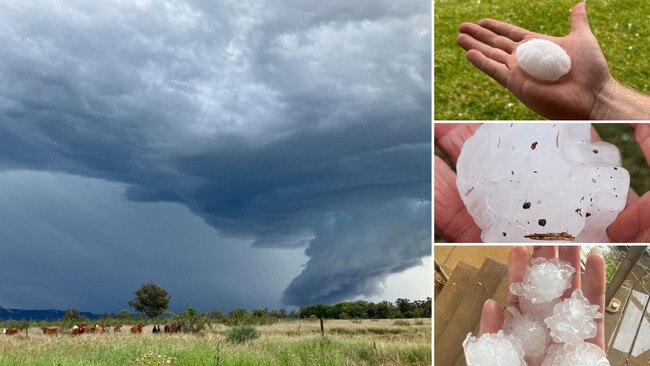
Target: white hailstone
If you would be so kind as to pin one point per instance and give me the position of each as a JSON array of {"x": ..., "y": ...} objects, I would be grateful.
[
  {"x": 580, "y": 354},
  {"x": 539, "y": 311},
  {"x": 526, "y": 182},
  {"x": 533, "y": 334},
  {"x": 544, "y": 281},
  {"x": 493, "y": 350},
  {"x": 573, "y": 319},
  {"x": 543, "y": 60}
]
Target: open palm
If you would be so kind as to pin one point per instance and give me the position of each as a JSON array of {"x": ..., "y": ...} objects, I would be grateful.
[{"x": 491, "y": 47}]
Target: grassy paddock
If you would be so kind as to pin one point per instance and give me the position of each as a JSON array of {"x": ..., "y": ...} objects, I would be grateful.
[
  {"x": 462, "y": 92},
  {"x": 380, "y": 342}
]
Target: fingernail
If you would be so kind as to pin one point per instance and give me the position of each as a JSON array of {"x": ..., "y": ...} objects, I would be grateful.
[{"x": 597, "y": 250}]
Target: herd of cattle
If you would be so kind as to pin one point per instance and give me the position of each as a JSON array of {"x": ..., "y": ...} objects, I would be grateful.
[{"x": 79, "y": 329}]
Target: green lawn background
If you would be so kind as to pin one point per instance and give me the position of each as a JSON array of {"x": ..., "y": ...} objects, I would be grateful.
[{"x": 462, "y": 92}]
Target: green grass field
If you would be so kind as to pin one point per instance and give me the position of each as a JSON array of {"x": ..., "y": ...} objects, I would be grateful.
[
  {"x": 365, "y": 342},
  {"x": 462, "y": 92}
]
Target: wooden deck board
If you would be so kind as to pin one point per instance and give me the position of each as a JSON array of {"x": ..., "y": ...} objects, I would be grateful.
[{"x": 468, "y": 313}]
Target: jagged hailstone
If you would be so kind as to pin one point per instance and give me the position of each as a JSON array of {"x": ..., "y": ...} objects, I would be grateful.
[
  {"x": 524, "y": 182},
  {"x": 539, "y": 311},
  {"x": 580, "y": 354},
  {"x": 543, "y": 60},
  {"x": 573, "y": 319},
  {"x": 495, "y": 349},
  {"x": 533, "y": 334},
  {"x": 544, "y": 281}
]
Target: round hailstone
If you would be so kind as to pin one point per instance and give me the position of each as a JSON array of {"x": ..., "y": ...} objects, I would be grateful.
[
  {"x": 493, "y": 350},
  {"x": 580, "y": 354},
  {"x": 543, "y": 60},
  {"x": 525, "y": 182},
  {"x": 573, "y": 319},
  {"x": 544, "y": 281},
  {"x": 533, "y": 334}
]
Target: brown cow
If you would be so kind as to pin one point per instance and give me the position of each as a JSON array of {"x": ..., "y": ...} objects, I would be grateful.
[
  {"x": 137, "y": 329},
  {"x": 51, "y": 330},
  {"x": 99, "y": 329},
  {"x": 11, "y": 331},
  {"x": 172, "y": 328},
  {"x": 117, "y": 329},
  {"x": 78, "y": 329}
]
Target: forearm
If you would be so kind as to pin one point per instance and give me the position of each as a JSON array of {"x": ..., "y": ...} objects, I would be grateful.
[{"x": 618, "y": 102}]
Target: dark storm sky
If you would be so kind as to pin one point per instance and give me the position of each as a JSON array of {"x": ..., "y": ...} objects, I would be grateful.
[{"x": 238, "y": 153}]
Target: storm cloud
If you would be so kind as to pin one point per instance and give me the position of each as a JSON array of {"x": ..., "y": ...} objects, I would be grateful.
[{"x": 285, "y": 124}]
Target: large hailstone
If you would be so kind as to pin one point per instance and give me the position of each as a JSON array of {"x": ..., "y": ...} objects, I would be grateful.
[
  {"x": 493, "y": 350},
  {"x": 533, "y": 334},
  {"x": 541, "y": 182},
  {"x": 539, "y": 311},
  {"x": 573, "y": 319},
  {"x": 544, "y": 281},
  {"x": 580, "y": 354},
  {"x": 543, "y": 60}
]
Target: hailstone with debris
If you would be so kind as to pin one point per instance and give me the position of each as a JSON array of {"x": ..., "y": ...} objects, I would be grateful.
[
  {"x": 493, "y": 350},
  {"x": 544, "y": 281},
  {"x": 541, "y": 182},
  {"x": 573, "y": 319},
  {"x": 543, "y": 59},
  {"x": 526, "y": 336}
]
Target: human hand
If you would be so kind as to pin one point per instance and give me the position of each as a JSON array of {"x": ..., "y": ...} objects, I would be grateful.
[
  {"x": 452, "y": 220},
  {"x": 633, "y": 223},
  {"x": 593, "y": 287},
  {"x": 491, "y": 46}
]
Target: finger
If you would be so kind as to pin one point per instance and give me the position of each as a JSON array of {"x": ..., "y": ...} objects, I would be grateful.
[
  {"x": 491, "y": 317},
  {"x": 517, "y": 264},
  {"x": 450, "y": 137},
  {"x": 451, "y": 219},
  {"x": 546, "y": 251},
  {"x": 631, "y": 195},
  {"x": 467, "y": 42},
  {"x": 510, "y": 31},
  {"x": 571, "y": 254},
  {"x": 631, "y": 225},
  {"x": 493, "y": 69},
  {"x": 579, "y": 20},
  {"x": 594, "y": 291},
  {"x": 488, "y": 37},
  {"x": 642, "y": 133}
]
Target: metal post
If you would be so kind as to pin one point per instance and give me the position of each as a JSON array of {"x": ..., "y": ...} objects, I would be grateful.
[{"x": 633, "y": 255}]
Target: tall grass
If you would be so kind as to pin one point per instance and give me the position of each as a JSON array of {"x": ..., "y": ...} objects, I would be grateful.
[{"x": 286, "y": 343}]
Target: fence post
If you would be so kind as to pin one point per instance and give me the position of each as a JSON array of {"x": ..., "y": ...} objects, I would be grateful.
[{"x": 322, "y": 328}]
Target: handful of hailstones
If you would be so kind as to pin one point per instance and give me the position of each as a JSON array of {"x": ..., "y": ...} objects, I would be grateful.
[{"x": 526, "y": 337}]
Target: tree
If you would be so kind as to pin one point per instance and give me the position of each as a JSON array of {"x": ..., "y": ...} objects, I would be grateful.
[
  {"x": 124, "y": 315},
  {"x": 71, "y": 315},
  {"x": 151, "y": 300}
]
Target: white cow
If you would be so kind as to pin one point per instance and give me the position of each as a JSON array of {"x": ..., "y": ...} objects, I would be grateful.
[{"x": 4, "y": 330}]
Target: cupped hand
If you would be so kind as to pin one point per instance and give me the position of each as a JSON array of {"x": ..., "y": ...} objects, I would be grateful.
[
  {"x": 491, "y": 47},
  {"x": 593, "y": 286}
]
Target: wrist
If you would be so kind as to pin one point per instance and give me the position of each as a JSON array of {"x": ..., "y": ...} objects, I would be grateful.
[{"x": 605, "y": 102}]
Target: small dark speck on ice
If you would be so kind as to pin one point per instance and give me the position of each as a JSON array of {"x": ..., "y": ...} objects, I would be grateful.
[{"x": 542, "y": 222}]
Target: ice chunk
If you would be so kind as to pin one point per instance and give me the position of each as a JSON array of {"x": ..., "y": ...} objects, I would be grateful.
[
  {"x": 493, "y": 350},
  {"x": 533, "y": 334},
  {"x": 544, "y": 281},
  {"x": 580, "y": 354},
  {"x": 543, "y": 60},
  {"x": 541, "y": 182},
  {"x": 573, "y": 319},
  {"x": 538, "y": 312}
]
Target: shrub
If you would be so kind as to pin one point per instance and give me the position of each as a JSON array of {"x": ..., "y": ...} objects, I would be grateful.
[
  {"x": 402, "y": 323},
  {"x": 242, "y": 334}
]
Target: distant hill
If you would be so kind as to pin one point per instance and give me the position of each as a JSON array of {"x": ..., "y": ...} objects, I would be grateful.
[{"x": 51, "y": 314}]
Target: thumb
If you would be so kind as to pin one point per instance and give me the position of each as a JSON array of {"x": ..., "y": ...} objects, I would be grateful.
[{"x": 579, "y": 20}]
